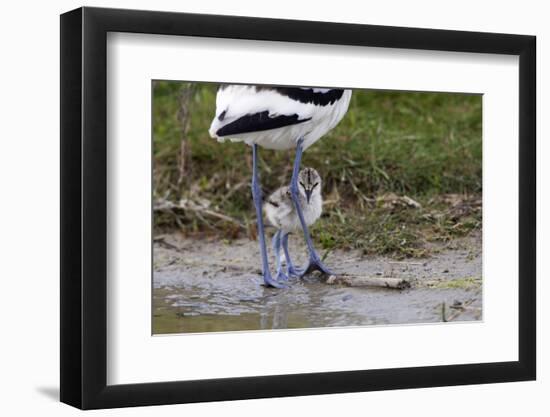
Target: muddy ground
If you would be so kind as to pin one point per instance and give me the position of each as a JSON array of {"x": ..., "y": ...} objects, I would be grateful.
[{"x": 211, "y": 285}]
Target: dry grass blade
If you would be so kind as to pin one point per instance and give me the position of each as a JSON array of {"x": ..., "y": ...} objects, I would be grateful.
[
  {"x": 184, "y": 157},
  {"x": 199, "y": 208}
]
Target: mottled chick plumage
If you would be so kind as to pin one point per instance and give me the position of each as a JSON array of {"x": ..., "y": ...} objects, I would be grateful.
[{"x": 279, "y": 207}]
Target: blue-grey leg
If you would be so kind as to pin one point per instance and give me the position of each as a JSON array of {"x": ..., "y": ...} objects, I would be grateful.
[
  {"x": 291, "y": 270},
  {"x": 257, "y": 196},
  {"x": 277, "y": 251},
  {"x": 314, "y": 262}
]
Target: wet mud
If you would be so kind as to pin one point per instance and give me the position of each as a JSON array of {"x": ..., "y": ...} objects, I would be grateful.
[{"x": 214, "y": 286}]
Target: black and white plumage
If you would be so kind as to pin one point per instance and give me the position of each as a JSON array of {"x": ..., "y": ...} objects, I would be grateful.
[{"x": 276, "y": 117}]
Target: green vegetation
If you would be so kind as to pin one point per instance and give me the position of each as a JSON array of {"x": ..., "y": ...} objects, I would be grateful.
[
  {"x": 465, "y": 283},
  {"x": 401, "y": 170}
]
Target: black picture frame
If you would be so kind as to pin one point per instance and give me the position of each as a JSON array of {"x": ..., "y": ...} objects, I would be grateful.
[{"x": 84, "y": 207}]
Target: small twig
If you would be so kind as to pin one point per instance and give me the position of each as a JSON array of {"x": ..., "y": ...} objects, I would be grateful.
[
  {"x": 199, "y": 210},
  {"x": 222, "y": 217},
  {"x": 233, "y": 190},
  {"x": 356, "y": 189},
  {"x": 201, "y": 218},
  {"x": 366, "y": 281},
  {"x": 161, "y": 241}
]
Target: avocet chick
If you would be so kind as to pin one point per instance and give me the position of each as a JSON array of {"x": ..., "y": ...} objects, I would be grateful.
[{"x": 282, "y": 214}]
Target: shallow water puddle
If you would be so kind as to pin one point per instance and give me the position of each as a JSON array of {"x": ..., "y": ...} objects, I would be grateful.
[{"x": 193, "y": 294}]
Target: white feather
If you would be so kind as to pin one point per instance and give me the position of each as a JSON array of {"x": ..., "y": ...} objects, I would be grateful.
[{"x": 241, "y": 100}]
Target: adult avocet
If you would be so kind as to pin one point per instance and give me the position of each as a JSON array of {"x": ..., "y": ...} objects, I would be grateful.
[{"x": 279, "y": 118}]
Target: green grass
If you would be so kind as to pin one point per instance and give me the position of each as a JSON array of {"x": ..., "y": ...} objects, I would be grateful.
[
  {"x": 459, "y": 283},
  {"x": 421, "y": 145}
]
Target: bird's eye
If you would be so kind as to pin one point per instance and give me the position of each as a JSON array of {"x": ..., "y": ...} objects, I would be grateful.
[
  {"x": 302, "y": 184},
  {"x": 315, "y": 185}
]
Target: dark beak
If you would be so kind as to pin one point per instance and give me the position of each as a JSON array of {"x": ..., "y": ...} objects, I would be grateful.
[{"x": 308, "y": 195}]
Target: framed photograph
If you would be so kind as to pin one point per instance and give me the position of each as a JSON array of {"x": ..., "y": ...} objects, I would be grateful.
[{"x": 259, "y": 208}]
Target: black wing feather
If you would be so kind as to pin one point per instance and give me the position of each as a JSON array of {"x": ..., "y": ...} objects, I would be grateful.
[
  {"x": 258, "y": 122},
  {"x": 307, "y": 95}
]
